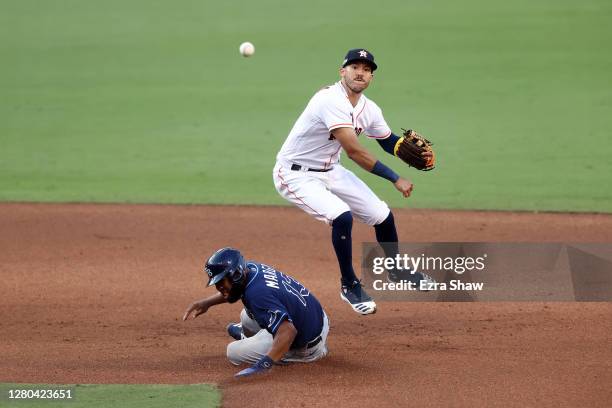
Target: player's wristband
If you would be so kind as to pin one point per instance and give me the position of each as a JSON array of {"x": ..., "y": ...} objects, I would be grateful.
[
  {"x": 262, "y": 366},
  {"x": 264, "y": 363},
  {"x": 385, "y": 172}
]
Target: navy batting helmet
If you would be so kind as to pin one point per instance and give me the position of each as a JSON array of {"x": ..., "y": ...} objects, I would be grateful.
[{"x": 227, "y": 262}]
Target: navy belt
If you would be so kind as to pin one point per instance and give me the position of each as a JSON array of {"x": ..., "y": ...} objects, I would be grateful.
[
  {"x": 310, "y": 344},
  {"x": 297, "y": 167},
  {"x": 314, "y": 342}
]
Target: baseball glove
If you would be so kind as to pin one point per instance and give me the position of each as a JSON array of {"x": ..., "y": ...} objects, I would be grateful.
[{"x": 410, "y": 149}]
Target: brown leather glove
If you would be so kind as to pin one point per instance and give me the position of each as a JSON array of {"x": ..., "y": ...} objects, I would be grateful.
[{"x": 415, "y": 151}]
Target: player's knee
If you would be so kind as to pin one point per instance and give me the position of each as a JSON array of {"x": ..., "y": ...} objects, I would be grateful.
[
  {"x": 249, "y": 326},
  {"x": 244, "y": 315},
  {"x": 344, "y": 221},
  {"x": 381, "y": 216},
  {"x": 389, "y": 220},
  {"x": 233, "y": 353}
]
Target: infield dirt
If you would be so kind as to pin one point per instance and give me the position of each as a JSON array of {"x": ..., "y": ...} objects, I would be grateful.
[{"x": 95, "y": 293}]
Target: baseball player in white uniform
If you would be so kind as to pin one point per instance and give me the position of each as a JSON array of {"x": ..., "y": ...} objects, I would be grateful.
[{"x": 308, "y": 172}]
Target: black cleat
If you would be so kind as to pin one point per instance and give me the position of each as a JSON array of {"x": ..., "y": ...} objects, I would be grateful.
[
  {"x": 357, "y": 297},
  {"x": 235, "y": 331}
]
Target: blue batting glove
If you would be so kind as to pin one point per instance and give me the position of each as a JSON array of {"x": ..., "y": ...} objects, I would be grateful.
[{"x": 259, "y": 367}]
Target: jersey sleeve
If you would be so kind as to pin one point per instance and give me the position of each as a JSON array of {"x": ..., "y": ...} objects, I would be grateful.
[
  {"x": 334, "y": 113},
  {"x": 378, "y": 128},
  {"x": 269, "y": 313}
]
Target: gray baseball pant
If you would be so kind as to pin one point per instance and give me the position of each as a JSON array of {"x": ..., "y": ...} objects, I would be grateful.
[{"x": 259, "y": 341}]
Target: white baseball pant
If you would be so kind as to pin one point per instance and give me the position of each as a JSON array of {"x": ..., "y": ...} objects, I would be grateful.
[{"x": 326, "y": 195}]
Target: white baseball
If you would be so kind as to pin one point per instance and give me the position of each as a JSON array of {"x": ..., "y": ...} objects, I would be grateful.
[{"x": 247, "y": 49}]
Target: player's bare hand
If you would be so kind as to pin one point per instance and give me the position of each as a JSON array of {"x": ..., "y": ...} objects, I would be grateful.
[
  {"x": 197, "y": 308},
  {"x": 404, "y": 186}
]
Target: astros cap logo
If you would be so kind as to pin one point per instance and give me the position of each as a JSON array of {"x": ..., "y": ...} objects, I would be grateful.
[{"x": 359, "y": 54}]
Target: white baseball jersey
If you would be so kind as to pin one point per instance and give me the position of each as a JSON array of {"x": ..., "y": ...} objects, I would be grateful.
[{"x": 310, "y": 142}]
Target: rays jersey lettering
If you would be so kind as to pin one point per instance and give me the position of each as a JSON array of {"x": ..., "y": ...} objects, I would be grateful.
[
  {"x": 310, "y": 142},
  {"x": 272, "y": 297},
  {"x": 270, "y": 277}
]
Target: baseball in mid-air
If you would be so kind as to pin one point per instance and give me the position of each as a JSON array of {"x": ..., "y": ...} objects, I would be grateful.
[{"x": 247, "y": 49}]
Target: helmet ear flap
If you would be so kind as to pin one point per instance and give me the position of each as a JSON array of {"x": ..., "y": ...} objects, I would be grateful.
[
  {"x": 238, "y": 274},
  {"x": 238, "y": 278}
]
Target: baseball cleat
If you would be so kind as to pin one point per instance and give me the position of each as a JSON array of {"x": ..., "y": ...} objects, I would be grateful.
[
  {"x": 357, "y": 297},
  {"x": 420, "y": 279},
  {"x": 235, "y": 331}
]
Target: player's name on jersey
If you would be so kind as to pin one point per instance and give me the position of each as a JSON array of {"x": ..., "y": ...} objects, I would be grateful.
[
  {"x": 452, "y": 285},
  {"x": 270, "y": 277}
]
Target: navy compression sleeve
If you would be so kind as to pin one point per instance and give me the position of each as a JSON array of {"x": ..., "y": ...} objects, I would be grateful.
[{"x": 388, "y": 144}]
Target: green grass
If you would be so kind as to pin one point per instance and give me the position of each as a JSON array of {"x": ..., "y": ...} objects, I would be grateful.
[
  {"x": 149, "y": 101},
  {"x": 118, "y": 395}
]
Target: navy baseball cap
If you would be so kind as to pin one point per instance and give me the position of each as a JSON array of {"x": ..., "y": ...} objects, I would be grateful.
[{"x": 359, "y": 54}]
